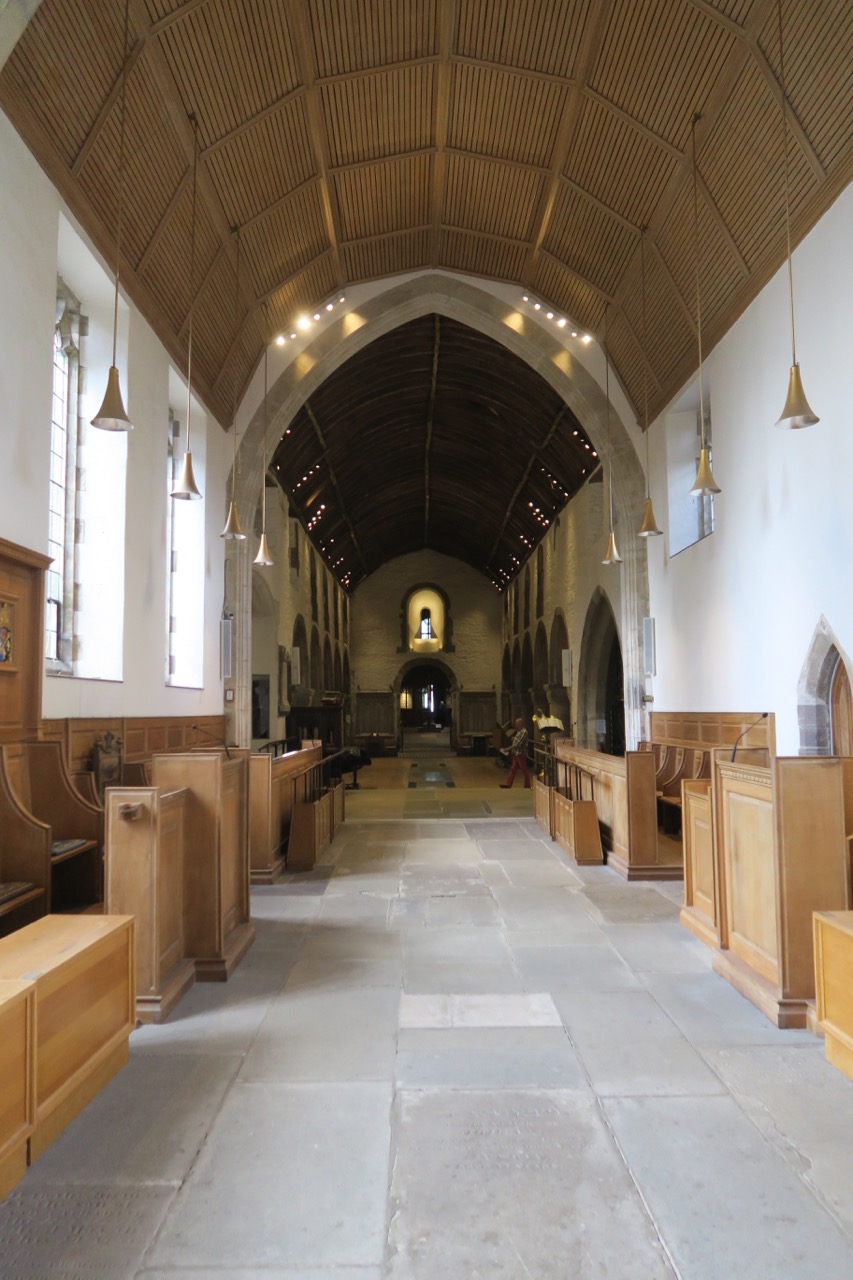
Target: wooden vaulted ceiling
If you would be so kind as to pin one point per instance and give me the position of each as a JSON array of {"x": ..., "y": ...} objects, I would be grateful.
[
  {"x": 477, "y": 453},
  {"x": 529, "y": 141}
]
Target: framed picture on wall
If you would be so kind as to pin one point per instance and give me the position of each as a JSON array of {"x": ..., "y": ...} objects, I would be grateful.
[{"x": 8, "y": 645}]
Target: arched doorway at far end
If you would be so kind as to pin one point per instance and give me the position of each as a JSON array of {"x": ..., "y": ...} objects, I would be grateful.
[{"x": 601, "y": 696}]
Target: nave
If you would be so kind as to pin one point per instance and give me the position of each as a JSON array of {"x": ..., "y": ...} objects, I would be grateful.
[{"x": 452, "y": 1053}]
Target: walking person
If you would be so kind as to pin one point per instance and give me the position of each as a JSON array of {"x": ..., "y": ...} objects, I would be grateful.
[{"x": 518, "y": 751}]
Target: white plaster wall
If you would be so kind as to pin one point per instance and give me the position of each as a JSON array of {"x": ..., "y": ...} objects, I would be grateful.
[
  {"x": 476, "y": 610},
  {"x": 736, "y": 612},
  {"x": 30, "y": 212}
]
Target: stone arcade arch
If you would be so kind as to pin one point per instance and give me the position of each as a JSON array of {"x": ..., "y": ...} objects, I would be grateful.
[
  {"x": 479, "y": 305},
  {"x": 599, "y": 722},
  {"x": 559, "y": 694},
  {"x": 432, "y": 660},
  {"x": 825, "y": 661}
]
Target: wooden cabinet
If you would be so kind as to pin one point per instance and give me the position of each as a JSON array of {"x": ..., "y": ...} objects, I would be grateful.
[{"x": 85, "y": 1008}]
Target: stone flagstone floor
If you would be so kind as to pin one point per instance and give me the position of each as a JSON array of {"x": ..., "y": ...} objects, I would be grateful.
[{"x": 452, "y": 1055}]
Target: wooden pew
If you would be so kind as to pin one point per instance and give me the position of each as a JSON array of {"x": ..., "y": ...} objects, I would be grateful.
[
  {"x": 699, "y": 913},
  {"x": 17, "y": 1078},
  {"x": 144, "y": 877},
  {"x": 217, "y": 927},
  {"x": 46, "y": 795},
  {"x": 83, "y": 971},
  {"x": 24, "y": 860},
  {"x": 833, "y": 954},
  {"x": 271, "y": 800},
  {"x": 781, "y": 854}
]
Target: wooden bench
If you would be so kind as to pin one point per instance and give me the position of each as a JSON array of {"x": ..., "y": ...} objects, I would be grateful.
[
  {"x": 833, "y": 954},
  {"x": 83, "y": 971},
  {"x": 17, "y": 1078},
  {"x": 45, "y": 797},
  {"x": 271, "y": 800},
  {"x": 25, "y": 868}
]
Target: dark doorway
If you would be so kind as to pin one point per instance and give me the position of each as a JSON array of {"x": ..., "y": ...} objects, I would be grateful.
[
  {"x": 614, "y": 703},
  {"x": 425, "y": 699},
  {"x": 260, "y": 706}
]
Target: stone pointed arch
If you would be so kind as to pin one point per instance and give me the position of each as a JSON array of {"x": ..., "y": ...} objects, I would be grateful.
[
  {"x": 600, "y": 634},
  {"x": 483, "y": 306},
  {"x": 815, "y": 687}
]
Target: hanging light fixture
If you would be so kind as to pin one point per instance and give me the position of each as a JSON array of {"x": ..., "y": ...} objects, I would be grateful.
[
  {"x": 704, "y": 484},
  {"x": 112, "y": 415},
  {"x": 186, "y": 488},
  {"x": 232, "y": 531},
  {"x": 648, "y": 527},
  {"x": 263, "y": 558},
  {"x": 797, "y": 412},
  {"x": 611, "y": 555}
]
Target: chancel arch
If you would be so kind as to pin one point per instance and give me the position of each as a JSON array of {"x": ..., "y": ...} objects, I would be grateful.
[
  {"x": 600, "y": 682},
  {"x": 480, "y": 305}
]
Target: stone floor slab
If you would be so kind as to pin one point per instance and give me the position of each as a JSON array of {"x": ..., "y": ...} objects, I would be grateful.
[
  {"x": 78, "y": 1232},
  {"x": 725, "y": 1201},
  {"x": 711, "y": 1012},
  {"x": 505, "y": 1058},
  {"x": 326, "y": 1036},
  {"x": 533, "y": 1009},
  {"x": 658, "y": 948},
  {"x": 523, "y": 1186},
  {"x": 583, "y": 966},
  {"x": 291, "y": 1175}
]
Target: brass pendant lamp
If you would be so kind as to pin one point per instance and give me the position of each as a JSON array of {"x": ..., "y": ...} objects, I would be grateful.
[
  {"x": 648, "y": 527},
  {"x": 704, "y": 484},
  {"x": 263, "y": 558},
  {"x": 797, "y": 412},
  {"x": 232, "y": 531},
  {"x": 611, "y": 555},
  {"x": 186, "y": 488},
  {"x": 112, "y": 415}
]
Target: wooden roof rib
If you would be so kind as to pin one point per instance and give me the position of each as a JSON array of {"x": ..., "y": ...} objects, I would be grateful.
[{"x": 524, "y": 140}]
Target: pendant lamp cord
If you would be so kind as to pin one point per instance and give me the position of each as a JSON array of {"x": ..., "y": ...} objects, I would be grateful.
[
  {"x": 194, "y": 123},
  {"x": 120, "y": 172},
  {"x": 698, "y": 302},
  {"x": 234, "y": 376},
  {"x": 645, "y": 358},
  {"x": 787, "y": 191}
]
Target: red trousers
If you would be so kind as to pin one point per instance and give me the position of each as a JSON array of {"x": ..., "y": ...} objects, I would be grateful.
[{"x": 518, "y": 762}]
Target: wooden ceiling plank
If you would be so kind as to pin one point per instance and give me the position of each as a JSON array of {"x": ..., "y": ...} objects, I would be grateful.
[
  {"x": 588, "y": 54},
  {"x": 529, "y": 73},
  {"x": 429, "y": 423},
  {"x": 722, "y": 225},
  {"x": 246, "y": 126},
  {"x": 441, "y": 122},
  {"x": 375, "y": 161},
  {"x": 525, "y": 166},
  {"x": 309, "y": 413},
  {"x": 165, "y": 218},
  {"x": 286, "y": 280},
  {"x": 722, "y": 19},
  {"x": 300, "y": 27},
  {"x": 364, "y": 73},
  {"x": 177, "y": 15},
  {"x": 599, "y": 204},
  {"x": 633, "y": 122},
  {"x": 795, "y": 125},
  {"x": 107, "y": 107}
]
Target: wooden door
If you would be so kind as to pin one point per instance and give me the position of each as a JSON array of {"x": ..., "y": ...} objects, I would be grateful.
[{"x": 841, "y": 710}]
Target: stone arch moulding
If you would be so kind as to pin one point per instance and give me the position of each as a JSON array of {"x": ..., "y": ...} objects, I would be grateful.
[
  {"x": 814, "y": 689},
  {"x": 427, "y": 660},
  {"x": 475, "y": 304},
  {"x": 448, "y": 646}
]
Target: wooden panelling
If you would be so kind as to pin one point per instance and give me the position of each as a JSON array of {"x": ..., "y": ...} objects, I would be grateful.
[
  {"x": 699, "y": 912},
  {"x": 144, "y": 878},
  {"x": 714, "y": 729},
  {"x": 781, "y": 855},
  {"x": 17, "y": 1078},
  {"x": 83, "y": 968},
  {"x": 505, "y": 115},
  {"x": 833, "y": 950},
  {"x": 217, "y": 927},
  {"x": 523, "y": 33},
  {"x": 21, "y": 640}
]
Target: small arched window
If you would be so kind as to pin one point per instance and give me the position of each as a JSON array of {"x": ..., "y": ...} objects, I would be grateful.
[{"x": 425, "y": 630}]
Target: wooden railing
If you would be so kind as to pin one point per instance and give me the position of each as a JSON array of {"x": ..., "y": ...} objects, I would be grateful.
[{"x": 317, "y": 811}]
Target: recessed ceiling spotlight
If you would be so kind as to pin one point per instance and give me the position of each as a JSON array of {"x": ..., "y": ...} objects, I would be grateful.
[
  {"x": 574, "y": 333},
  {"x": 549, "y": 315},
  {"x": 586, "y": 339},
  {"x": 293, "y": 335},
  {"x": 525, "y": 297},
  {"x": 561, "y": 323},
  {"x": 316, "y": 315},
  {"x": 342, "y": 298},
  {"x": 280, "y": 340},
  {"x": 537, "y": 306},
  {"x": 303, "y": 323},
  {"x": 330, "y": 306}
]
